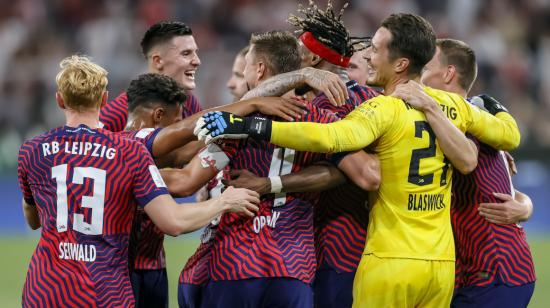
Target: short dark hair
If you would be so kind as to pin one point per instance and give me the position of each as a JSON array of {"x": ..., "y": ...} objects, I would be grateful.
[
  {"x": 279, "y": 49},
  {"x": 149, "y": 88},
  {"x": 162, "y": 32},
  {"x": 412, "y": 37},
  {"x": 462, "y": 57}
]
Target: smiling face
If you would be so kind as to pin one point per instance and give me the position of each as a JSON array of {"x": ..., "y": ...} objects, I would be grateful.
[
  {"x": 379, "y": 64},
  {"x": 180, "y": 60}
]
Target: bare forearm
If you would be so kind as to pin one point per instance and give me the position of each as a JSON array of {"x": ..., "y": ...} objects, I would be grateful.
[
  {"x": 193, "y": 216},
  {"x": 277, "y": 85},
  {"x": 312, "y": 179},
  {"x": 460, "y": 151}
]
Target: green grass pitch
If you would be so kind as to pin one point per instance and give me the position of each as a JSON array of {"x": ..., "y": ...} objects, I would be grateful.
[{"x": 16, "y": 252}]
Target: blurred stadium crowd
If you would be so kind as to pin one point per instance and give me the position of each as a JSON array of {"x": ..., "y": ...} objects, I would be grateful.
[{"x": 511, "y": 39}]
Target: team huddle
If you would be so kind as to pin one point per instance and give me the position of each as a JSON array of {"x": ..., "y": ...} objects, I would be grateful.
[{"x": 349, "y": 171}]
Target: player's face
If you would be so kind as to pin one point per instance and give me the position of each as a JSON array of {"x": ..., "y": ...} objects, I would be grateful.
[
  {"x": 170, "y": 115},
  {"x": 250, "y": 71},
  {"x": 379, "y": 66},
  {"x": 306, "y": 56},
  {"x": 358, "y": 68},
  {"x": 433, "y": 74},
  {"x": 237, "y": 84},
  {"x": 180, "y": 60}
]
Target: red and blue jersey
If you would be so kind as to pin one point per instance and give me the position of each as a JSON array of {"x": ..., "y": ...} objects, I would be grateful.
[
  {"x": 341, "y": 216},
  {"x": 485, "y": 251},
  {"x": 86, "y": 185},
  {"x": 195, "y": 271},
  {"x": 279, "y": 240},
  {"x": 115, "y": 113},
  {"x": 146, "y": 248}
]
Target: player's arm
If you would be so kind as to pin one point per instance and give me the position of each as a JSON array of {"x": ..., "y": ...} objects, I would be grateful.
[
  {"x": 357, "y": 130},
  {"x": 201, "y": 169},
  {"x": 361, "y": 168},
  {"x": 512, "y": 209},
  {"x": 31, "y": 215},
  {"x": 181, "y": 133},
  {"x": 496, "y": 127},
  {"x": 459, "y": 150},
  {"x": 181, "y": 156},
  {"x": 313, "y": 178},
  {"x": 321, "y": 80},
  {"x": 174, "y": 219}
]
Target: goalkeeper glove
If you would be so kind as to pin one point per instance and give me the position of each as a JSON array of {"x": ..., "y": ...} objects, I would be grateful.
[
  {"x": 223, "y": 125},
  {"x": 488, "y": 104}
]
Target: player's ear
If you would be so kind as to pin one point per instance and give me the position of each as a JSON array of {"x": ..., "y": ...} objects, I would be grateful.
[
  {"x": 158, "y": 113},
  {"x": 315, "y": 59},
  {"x": 261, "y": 71},
  {"x": 104, "y": 98},
  {"x": 156, "y": 61},
  {"x": 450, "y": 74},
  {"x": 400, "y": 65},
  {"x": 60, "y": 101}
]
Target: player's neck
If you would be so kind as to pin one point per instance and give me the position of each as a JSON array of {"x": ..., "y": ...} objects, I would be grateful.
[
  {"x": 89, "y": 118},
  {"x": 395, "y": 80},
  {"x": 457, "y": 89}
]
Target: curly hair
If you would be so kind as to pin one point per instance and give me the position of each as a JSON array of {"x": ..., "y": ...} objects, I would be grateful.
[
  {"x": 150, "y": 88},
  {"x": 326, "y": 27}
]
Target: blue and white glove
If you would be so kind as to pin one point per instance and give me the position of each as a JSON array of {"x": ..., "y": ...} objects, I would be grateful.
[
  {"x": 488, "y": 103},
  {"x": 223, "y": 125}
]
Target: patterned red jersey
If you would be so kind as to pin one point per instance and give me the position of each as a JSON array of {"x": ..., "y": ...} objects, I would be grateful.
[
  {"x": 487, "y": 251},
  {"x": 146, "y": 248},
  {"x": 115, "y": 113},
  {"x": 85, "y": 184},
  {"x": 341, "y": 216},
  {"x": 195, "y": 270},
  {"x": 279, "y": 241}
]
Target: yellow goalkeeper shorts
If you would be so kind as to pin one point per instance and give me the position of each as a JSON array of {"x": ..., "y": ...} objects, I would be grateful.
[{"x": 392, "y": 282}]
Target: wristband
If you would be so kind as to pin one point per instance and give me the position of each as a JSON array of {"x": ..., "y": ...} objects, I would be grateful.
[{"x": 276, "y": 184}]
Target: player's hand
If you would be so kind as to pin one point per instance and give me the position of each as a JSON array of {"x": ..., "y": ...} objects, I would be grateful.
[
  {"x": 218, "y": 125},
  {"x": 508, "y": 212},
  {"x": 284, "y": 108},
  {"x": 511, "y": 163},
  {"x": 240, "y": 200},
  {"x": 488, "y": 103},
  {"x": 413, "y": 94},
  {"x": 247, "y": 179},
  {"x": 327, "y": 82}
]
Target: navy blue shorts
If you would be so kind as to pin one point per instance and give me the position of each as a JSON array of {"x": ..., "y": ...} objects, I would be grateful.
[
  {"x": 332, "y": 289},
  {"x": 189, "y": 295},
  {"x": 150, "y": 288},
  {"x": 497, "y": 295},
  {"x": 258, "y": 292}
]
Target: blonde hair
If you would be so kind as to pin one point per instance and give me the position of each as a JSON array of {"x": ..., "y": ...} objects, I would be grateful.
[{"x": 81, "y": 83}]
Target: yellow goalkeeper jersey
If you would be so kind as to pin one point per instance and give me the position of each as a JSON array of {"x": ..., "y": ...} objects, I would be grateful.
[{"x": 410, "y": 213}]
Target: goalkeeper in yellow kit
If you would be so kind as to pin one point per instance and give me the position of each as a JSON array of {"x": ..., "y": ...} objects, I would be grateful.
[{"x": 409, "y": 255}]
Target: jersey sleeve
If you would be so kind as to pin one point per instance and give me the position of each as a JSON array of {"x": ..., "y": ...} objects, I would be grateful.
[
  {"x": 360, "y": 128},
  {"x": 147, "y": 137},
  {"x": 22, "y": 174},
  {"x": 499, "y": 131},
  {"x": 114, "y": 114},
  {"x": 148, "y": 183},
  {"x": 192, "y": 106}
]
